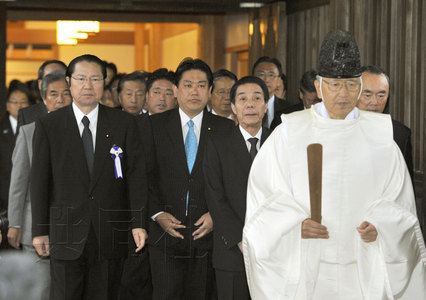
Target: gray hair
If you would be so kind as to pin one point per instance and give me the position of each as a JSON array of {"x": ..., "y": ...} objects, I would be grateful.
[{"x": 56, "y": 75}]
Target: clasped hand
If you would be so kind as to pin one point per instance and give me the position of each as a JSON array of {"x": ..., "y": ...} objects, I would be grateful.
[
  {"x": 315, "y": 230},
  {"x": 170, "y": 225}
]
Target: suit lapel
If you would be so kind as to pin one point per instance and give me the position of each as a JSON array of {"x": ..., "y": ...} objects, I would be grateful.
[
  {"x": 206, "y": 127},
  {"x": 239, "y": 145},
  {"x": 265, "y": 133},
  {"x": 174, "y": 128},
  {"x": 74, "y": 145},
  {"x": 102, "y": 146}
]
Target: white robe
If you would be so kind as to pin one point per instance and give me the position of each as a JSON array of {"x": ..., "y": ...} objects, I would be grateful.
[{"x": 364, "y": 179}]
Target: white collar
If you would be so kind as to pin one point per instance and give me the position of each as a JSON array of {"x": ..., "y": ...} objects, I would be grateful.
[
  {"x": 184, "y": 118},
  {"x": 247, "y": 135},
  {"x": 92, "y": 115},
  {"x": 322, "y": 110},
  {"x": 13, "y": 123}
]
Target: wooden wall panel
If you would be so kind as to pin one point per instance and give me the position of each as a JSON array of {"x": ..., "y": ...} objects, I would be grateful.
[
  {"x": 306, "y": 30},
  {"x": 2, "y": 57}
]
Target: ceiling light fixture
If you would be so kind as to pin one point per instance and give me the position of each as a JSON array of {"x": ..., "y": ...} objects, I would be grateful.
[
  {"x": 251, "y": 4},
  {"x": 68, "y": 32}
]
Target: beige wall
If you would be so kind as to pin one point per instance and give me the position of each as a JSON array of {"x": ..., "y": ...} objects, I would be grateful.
[
  {"x": 22, "y": 70},
  {"x": 121, "y": 55},
  {"x": 176, "y": 48}
]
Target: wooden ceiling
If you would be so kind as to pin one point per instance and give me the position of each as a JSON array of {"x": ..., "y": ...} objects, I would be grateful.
[{"x": 144, "y": 6}]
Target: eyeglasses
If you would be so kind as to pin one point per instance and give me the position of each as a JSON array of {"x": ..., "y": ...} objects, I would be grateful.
[
  {"x": 222, "y": 92},
  {"x": 266, "y": 75},
  {"x": 93, "y": 80},
  {"x": 18, "y": 102},
  {"x": 336, "y": 85}
]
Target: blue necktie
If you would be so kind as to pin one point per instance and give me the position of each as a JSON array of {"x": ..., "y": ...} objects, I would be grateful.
[{"x": 191, "y": 147}]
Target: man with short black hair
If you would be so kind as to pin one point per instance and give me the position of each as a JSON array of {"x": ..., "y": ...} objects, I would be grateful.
[
  {"x": 180, "y": 238},
  {"x": 269, "y": 70},
  {"x": 219, "y": 102},
  {"x": 160, "y": 96},
  {"x": 131, "y": 93},
  {"x": 88, "y": 187},
  {"x": 226, "y": 166}
]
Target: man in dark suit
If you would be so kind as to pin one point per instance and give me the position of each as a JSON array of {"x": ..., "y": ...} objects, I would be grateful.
[
  {"x": 33, "y": 112},
  {"x": 159, "y": 91},
  {"x": 16, "y": 98},
  {"x": 374, "y": 97},
  {"x": 131, "y": 93},
  {"x": 88, "y": 186},
  {"x": 307, "y": 97},
  {"x": 226, "y": 167},
  {"x": 269, "y": 70},
  {"x": 180, "y": 238}
]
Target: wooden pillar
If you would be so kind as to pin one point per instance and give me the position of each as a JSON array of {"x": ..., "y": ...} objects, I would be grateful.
[
  {"x": 211, "y": 41},
  {"x": 139, "y": 40},
  {"x": 3, "y": 46},
  {"x": 268, "y": 33},
  {"x": 155, "y": 47}
]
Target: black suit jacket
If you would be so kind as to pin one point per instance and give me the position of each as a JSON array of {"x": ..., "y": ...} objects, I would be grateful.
[
  {"x": 31, "y": 113},
  {"x": 279, "y": 105},
  {"x": 65, "y": 201},
  {"x": 402, "y": 137},
  {"x": 226, "y": 167},
  {"x": 286, "y": 110},
  {"x": 7, "y": 143},
  {"x": 170, "y": 179}
]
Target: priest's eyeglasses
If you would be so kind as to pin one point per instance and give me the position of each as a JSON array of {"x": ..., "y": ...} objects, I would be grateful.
[{"x": 336, "y": 85}]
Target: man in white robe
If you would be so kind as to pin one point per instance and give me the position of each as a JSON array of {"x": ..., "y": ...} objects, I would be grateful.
[{"x": 369, "y": 244}]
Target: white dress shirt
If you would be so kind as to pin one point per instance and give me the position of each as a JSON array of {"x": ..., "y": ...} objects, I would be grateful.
[
  {"x": 13, "y": 123},
  {"x": 215, "y": 113},
  {"x": 93, "y": 118},
  {"x": 198, "y": 119},
  {"x": 271, "y": 111}
]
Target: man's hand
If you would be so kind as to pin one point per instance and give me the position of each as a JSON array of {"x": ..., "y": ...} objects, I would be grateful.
[
  {"x": 367, "y": 231},
  {"x": 205, "y": 228},
  {"x": 313, "y": 230},
  {"x": 240, "y": 245},
  {"x": 139, "y": 236},
  {"x": 14, "y": 236},
  {"x": 41, "y": 244},
  {"x": 170, "y": 224}
]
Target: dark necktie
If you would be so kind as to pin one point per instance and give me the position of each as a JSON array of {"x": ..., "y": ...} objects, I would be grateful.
[
  {"x": 88, "y": 144},
  {"x": 253, "y": 149}
]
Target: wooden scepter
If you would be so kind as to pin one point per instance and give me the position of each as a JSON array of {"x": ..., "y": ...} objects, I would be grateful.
[{"x": 315, "y": 180}]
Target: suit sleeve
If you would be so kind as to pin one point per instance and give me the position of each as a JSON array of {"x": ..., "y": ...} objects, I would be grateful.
[
  {"x": 19, "y": 180},
  {"x": 136, "y": 177},
  {"x": 152, "y": 171},
  {"x": 225, "y": 221},
  {"x": 40, "y": 181},
  {"x": 408, "y": 155}
]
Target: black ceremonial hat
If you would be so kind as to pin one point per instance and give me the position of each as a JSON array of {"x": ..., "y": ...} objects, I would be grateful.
[{"x": 339, "y": 56}]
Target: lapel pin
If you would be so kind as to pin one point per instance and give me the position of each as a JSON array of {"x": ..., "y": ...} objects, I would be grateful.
[
  {"x": 107, "y": 135},
  {"x": 209, "y": 129}
]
